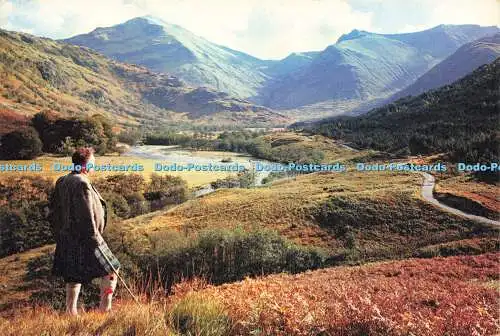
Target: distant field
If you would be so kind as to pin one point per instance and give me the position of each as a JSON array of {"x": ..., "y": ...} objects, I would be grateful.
[
  {"x": 287, "y": 140},
  {"x": 193, "y": 178}
]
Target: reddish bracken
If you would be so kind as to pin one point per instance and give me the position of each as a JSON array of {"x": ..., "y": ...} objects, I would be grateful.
[{"x": 439, "y": 296}]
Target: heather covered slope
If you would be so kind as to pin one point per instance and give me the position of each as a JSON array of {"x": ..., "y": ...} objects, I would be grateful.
[
  {"x": 441, "y": 296},
  {"x": 424, "y": 297},
  {"x": 42, "y": 74}
]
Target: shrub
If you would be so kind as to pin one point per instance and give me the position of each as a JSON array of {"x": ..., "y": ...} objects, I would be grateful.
[
  {"x": 222, "y": 255},
  {"x": 95, "y": 131},
  {"x": 130, "y": 137},
  {"x": 22, "y": 144},
  {"x": 244, "y": 179},
  {"x": 117, "y": 204},
  {"x": 123, "y": 184},
  {"x": 164, "y": 190},
  {"x": 23, "y": 222},
  {"x": 138, "y": 204}
]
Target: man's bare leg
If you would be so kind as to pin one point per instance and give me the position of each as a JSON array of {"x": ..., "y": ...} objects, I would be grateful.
[
  {"x": 108, "y": 285},
  {"x": 72, "y": 293}
]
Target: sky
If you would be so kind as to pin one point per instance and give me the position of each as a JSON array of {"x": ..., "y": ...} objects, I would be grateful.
[{"x": 268, "y": 29}]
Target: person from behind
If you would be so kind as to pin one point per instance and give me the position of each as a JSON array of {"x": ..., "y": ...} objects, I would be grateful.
[{"x": 78, "y": 216}]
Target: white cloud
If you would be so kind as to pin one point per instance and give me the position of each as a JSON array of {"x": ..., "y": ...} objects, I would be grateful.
[
  {"x": 393, "y": 16},
  {"x": 5, "y": 10},
  {"x": 264, "y": 28},
  {"x": 484, "y": 12}
]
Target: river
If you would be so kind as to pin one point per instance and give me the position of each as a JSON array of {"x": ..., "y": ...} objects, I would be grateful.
[{"x": 175, "y": 154}]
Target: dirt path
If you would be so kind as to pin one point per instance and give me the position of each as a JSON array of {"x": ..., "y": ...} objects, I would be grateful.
[{"x": 427, "y": 194}]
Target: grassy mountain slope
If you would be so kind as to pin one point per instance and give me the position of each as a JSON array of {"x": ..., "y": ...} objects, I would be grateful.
[
  {"x": 460, "y": 119},
  {"x": 367, "y": 212},
  {"x": 170, "y": 48},
  {"x": 38, "y": 73},
  {"x": 364, "y": 66}
]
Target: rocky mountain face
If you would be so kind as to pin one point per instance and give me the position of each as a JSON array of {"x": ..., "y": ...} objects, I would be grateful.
[{"x": 364, "y": 66}]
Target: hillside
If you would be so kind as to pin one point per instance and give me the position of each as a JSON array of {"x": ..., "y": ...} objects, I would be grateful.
[
  {"x": 452, "y": 296},
  {"x": 354, "y": 216},
  {"x": 364, "y": 66},
  {"x": 459, "y": 119},
  {"x": 42, "y": 74},
  {"x": 465, "y": 60},
  {"x": 170, "y": 48}
]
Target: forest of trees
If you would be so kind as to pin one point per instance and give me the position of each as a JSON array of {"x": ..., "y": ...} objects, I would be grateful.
[{"x": 460, "y": 120}]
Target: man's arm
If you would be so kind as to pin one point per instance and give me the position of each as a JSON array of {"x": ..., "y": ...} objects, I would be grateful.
[{"x": 85, "y": 216}]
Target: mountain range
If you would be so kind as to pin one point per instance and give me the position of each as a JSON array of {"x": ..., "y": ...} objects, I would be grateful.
[
  {"x": 165, "y": 47},
  {"x": 360, "y": 67},
  {"x": 180, "y": 77}
]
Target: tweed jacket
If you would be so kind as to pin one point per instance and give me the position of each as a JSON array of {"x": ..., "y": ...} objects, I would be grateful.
[{"x": 78, "y": 217}]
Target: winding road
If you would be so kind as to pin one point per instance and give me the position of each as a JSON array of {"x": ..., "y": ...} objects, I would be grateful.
[{"x": 427, "y": 194}]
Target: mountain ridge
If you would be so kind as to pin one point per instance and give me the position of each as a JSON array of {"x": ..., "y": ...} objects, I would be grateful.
[
  {"x": 369, "y": 66},
  {"x": 164, "y": 47},
  {"x": 459, "y": 120}
]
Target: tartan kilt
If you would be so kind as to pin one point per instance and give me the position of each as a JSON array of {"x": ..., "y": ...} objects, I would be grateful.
[
  {"x": 106, "y": 258},
  {"x": 80, "y": 262}
]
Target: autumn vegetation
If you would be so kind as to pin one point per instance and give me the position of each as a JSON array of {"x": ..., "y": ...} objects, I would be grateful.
[{"x": 431, "y": 297}]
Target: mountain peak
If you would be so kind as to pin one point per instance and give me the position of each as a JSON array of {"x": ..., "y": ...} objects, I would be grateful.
[
  {"x": 145, "y": 20},
  {"x": 152, "y": 20},
  {"x": 354, "y": 34}
]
